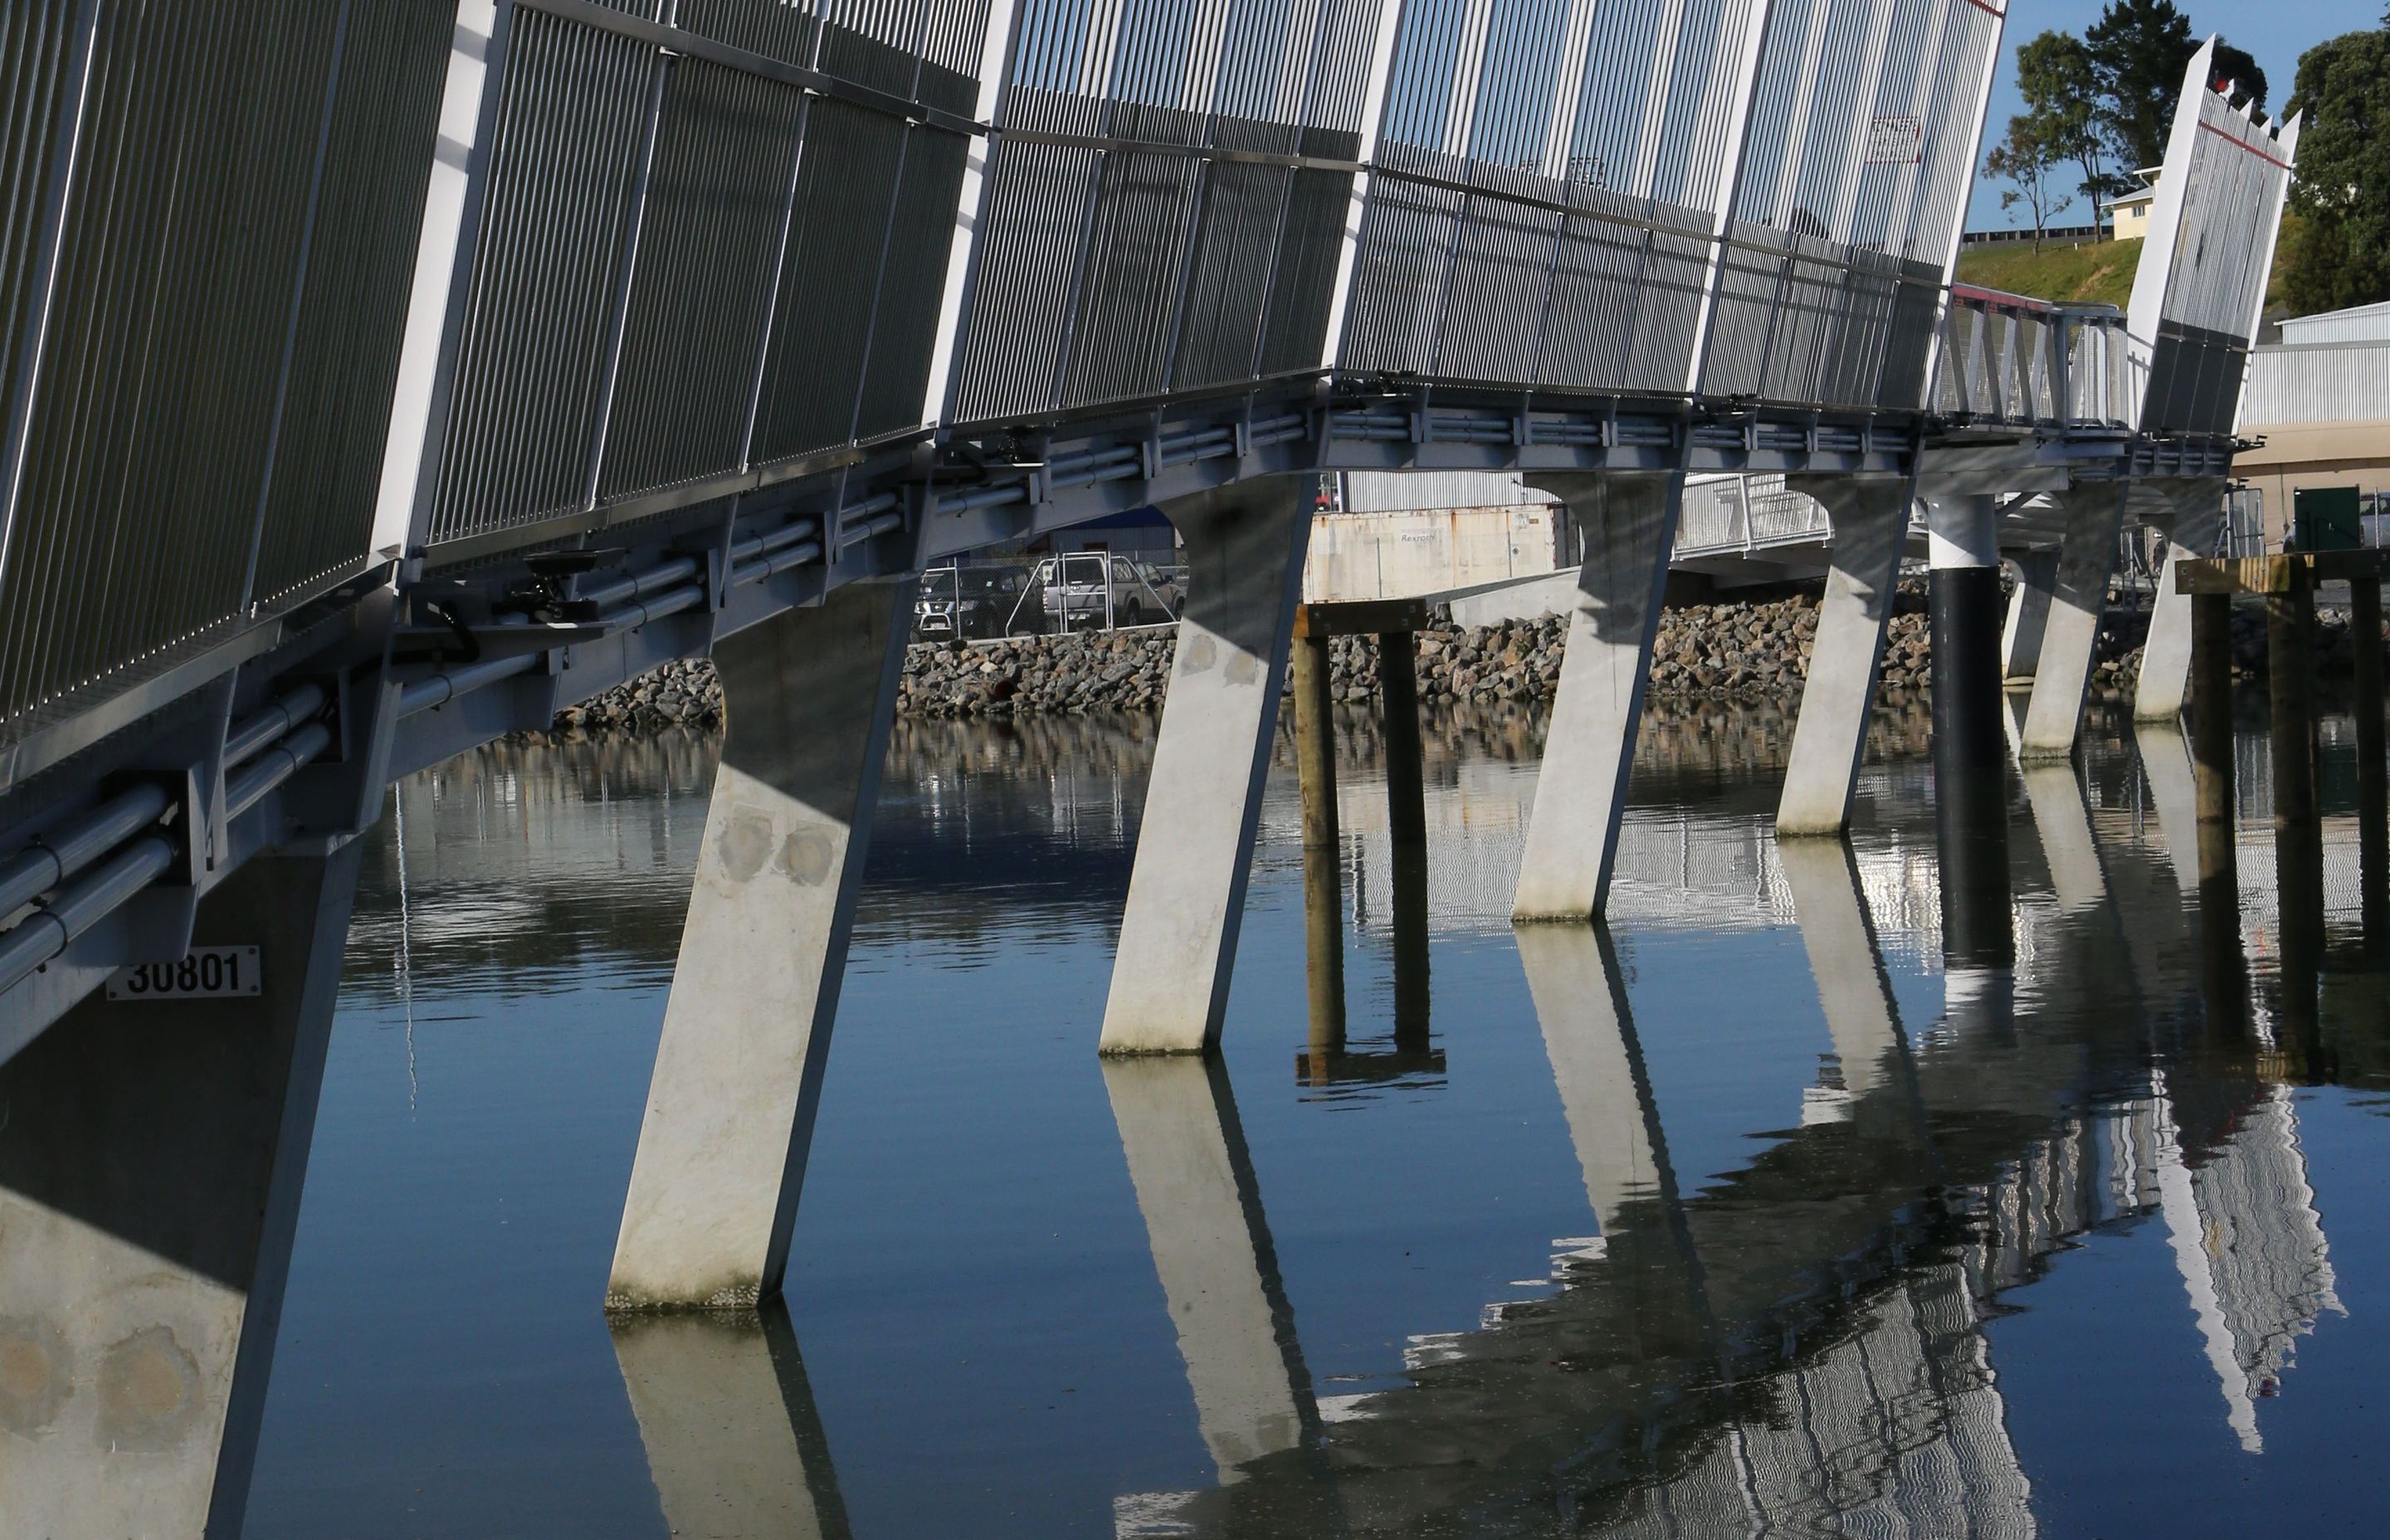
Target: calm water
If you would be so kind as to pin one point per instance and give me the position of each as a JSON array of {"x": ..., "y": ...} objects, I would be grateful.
[{"x": 1741, "y": 1220}]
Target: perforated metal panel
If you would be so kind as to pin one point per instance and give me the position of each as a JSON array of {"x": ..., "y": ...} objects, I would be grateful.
[
  {"x": 1861, "y": 149},
  {"x": 203, "y": 201},
  {"x": 1150, "y": 226},
  {"x": 1546, "y": 188},
  {"x": 2209, "y": 249},
  {"x": 698, "y": 261}
]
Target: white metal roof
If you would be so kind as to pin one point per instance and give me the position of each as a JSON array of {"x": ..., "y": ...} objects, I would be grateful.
[{"x": 2359, "y": 323}]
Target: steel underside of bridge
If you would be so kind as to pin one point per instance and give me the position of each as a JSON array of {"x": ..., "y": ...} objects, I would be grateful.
[{"x": 735, "y": 303}]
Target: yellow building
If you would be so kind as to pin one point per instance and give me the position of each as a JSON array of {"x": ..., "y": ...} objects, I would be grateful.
[{"x": 2131, "y": 212}]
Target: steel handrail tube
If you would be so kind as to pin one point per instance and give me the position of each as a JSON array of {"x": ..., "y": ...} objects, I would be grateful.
[
  {"x": 882, "y": 525},
  {"x": 60, "y": 855},
  {"x": 81, "y": 904},
  {"x": 244, "y": 742},
  {"x": 277, "y": 764},
  {"x": 637, "y": 584},
  {"x": 438, "y": 689}
]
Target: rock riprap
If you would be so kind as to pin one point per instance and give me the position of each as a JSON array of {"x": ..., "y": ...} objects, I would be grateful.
[{"x": 1727, "y": 649}]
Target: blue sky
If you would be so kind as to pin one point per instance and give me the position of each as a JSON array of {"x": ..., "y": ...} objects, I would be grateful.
[{"x": 2277, "y": 31}]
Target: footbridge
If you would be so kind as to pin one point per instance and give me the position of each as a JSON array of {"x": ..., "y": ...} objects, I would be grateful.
[{"x": 380, "y": 379}]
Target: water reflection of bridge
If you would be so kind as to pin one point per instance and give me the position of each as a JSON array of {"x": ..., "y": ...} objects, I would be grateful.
[{"x": 1798, "y": 1346}]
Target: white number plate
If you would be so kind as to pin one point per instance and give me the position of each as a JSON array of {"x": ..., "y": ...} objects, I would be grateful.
[{"x": 207, "y": 973}]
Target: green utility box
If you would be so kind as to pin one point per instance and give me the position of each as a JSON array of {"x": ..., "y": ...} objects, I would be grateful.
[{"x": 2324, "y": 519}]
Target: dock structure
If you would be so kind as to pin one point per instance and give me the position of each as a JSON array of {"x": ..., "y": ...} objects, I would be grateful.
[{"x": 502, "y": 353}]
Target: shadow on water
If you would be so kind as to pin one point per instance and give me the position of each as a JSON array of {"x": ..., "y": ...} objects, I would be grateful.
[{"x": 1271, "y": 1321}]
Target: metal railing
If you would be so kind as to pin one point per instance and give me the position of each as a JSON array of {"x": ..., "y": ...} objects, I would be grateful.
[
  {"x": 207, "y": 246},
  {"x": 1738, "y": 514},
  {"x": 718, "y": 254},
  {"x": 2010, "y": 360}
]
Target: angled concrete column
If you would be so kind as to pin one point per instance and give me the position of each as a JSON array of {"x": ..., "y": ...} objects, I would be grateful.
[
  {"x": 2070, "y": 640},
  {"x": 1202, "y": 802},
  {"x": 1203, "y": 1209},
  {"x": 726, "y": 1414},
  {"x": 2028, "y": 613},
  {"x": 808, "y": 697},
  {"x": 1870, "y": 525},
  {"x": 152, "y": 1156},
  {"x": 1629, "y": 524},
  {"x": 2195, "y": 518}
]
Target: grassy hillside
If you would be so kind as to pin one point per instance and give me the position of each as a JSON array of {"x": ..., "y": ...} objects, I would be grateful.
[
  {"x": 2083, "y": 275},
  {"x": 2101, "y": 274}
]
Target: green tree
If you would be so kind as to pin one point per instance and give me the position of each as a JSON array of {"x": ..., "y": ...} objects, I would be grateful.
[
  {"x": 2025, "y": 158},
  {"x": 2339, "y": 253},
  {"x": 2061, "y": 95},
  {"x": 2235, "y": 65},
  {"x": 2137, "y": 49}
]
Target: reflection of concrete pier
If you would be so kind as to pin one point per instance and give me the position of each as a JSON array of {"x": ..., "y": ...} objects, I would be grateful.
[
  {"x": 734, "y": 1444},
  {"x": 1801, "y": 1345},
  {"x": 1195, "y": 1185}
]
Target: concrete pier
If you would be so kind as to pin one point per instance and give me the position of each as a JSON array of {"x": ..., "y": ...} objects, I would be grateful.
[
  {"x": 1399, "y": 696},
  {"x": 2194, "y": 519},
  {"x": 1186, "y": 889},
  {"x": 808, "y": 696},
  {"x": 1629, "y": 523},
  {"x": 1970, "y": 743},
  {"x": 2071, "y": 635},
  {"x": 1315, "y": 739},
  {"x": 1212, "y": 1250},
  {"x": 2372, "y": 795},
  {"x": 2028, "y": 614},
  {"x": 1323, "y": 951},
  {"x": 1411, "y": 971},
  {"x": 734, "y": 1443},
  {"x": 1870, "y": 526},
  {"x": 151, "y": 1158}
]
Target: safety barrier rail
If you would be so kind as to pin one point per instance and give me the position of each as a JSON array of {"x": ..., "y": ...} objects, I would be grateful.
[
  {"x": 207, "y": 243},
  {"x": 2007, "y": 359},
  {"x": 1727, "y": 515}
]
